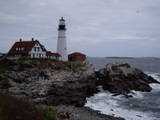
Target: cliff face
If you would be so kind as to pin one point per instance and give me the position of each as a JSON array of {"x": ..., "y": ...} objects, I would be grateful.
[
  {"x": 49, "y": 82},
  {"x": 72, "y": 92}
]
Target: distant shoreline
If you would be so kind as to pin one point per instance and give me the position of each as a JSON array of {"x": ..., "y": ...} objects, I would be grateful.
[{"x": 114, "y": 57}]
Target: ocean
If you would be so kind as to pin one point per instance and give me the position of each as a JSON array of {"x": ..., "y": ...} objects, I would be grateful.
[{"x": 142, "y": 106}]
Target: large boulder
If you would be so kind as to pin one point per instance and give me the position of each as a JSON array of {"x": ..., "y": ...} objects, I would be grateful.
[
  {"x": 122, "y": 78},
  {"x": 72, "y": 92}
]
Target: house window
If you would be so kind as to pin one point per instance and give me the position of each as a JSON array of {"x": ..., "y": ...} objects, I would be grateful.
[
  {"x": 22, "y": 48},
  {"x": 38, "y": 49},
  {"x": 35, "y": 49}
]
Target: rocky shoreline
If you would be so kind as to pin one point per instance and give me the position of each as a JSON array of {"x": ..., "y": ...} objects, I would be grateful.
[
  {"x": 68, "y": 84},
  {"x": 123, "y": 78},
  {"x": 48, "y": 82},
  {"x": 82, "y": 113}
]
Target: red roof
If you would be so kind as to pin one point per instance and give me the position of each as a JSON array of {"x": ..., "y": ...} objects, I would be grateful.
[
  {"x": 77, "y": 53},
  {"x": 77, "y": 56},
  {"x": 24, "y": 47}
]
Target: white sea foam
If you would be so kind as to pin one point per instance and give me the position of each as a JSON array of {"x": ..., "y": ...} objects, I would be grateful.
[
  {"x": 154, "y": 75},
  {"x": 108, "y": 104},
  {"x": 155, "y": 87}
]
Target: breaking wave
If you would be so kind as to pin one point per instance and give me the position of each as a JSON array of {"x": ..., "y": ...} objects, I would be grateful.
[{"x": 142, "y": 106}]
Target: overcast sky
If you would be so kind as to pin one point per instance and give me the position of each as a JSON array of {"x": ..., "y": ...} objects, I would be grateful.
[{"x": 95, "y": 27}]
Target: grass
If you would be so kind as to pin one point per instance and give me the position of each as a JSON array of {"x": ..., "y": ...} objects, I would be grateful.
[
  {"x": 76, "y": 66},
  {"x": 27, "y": 61}
]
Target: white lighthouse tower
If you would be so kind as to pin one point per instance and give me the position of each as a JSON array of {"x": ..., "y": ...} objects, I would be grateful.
[{"x": 62, "y": 43}]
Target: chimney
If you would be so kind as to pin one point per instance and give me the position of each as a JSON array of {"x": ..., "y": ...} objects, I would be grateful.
[
  {"x": 20, "y": 39},
  {"x": 32, "y": 39}
]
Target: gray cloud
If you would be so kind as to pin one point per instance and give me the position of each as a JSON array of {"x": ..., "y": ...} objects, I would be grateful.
[{"x": 96, "y": 27}]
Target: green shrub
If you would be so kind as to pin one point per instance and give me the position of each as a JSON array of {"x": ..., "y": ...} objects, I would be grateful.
[
  {"x": 49, "y": 113},
  {"x": 3, "y": 68},
  {"x": 76, "y": 66},
  {"x": 26, "y": 61},
  {"x": 12, "y": 108}
]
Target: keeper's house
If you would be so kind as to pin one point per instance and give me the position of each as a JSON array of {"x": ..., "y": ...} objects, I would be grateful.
[{"x": 30, "y": 49}]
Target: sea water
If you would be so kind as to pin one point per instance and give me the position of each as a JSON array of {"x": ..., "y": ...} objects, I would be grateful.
[{"x": 142, "y": 106}]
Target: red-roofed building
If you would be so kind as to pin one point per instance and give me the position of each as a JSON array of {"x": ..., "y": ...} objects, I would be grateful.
[
  {"x": 77, "y": 56},
  {"x": 54, "y": 56},
  {"x": 31, "y": 49}
]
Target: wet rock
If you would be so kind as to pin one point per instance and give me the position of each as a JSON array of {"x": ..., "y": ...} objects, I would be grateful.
[{"x": 122, "y": 78}]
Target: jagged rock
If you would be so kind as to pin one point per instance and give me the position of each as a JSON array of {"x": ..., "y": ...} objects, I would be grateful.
[
  {"x": 72, "y": 92},
  {"x": 49, "y": 82},
  {"x": 121, "y": 78}
]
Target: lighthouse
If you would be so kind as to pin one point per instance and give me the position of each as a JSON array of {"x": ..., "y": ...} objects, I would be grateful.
[{"x": 62, "y": 43}]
